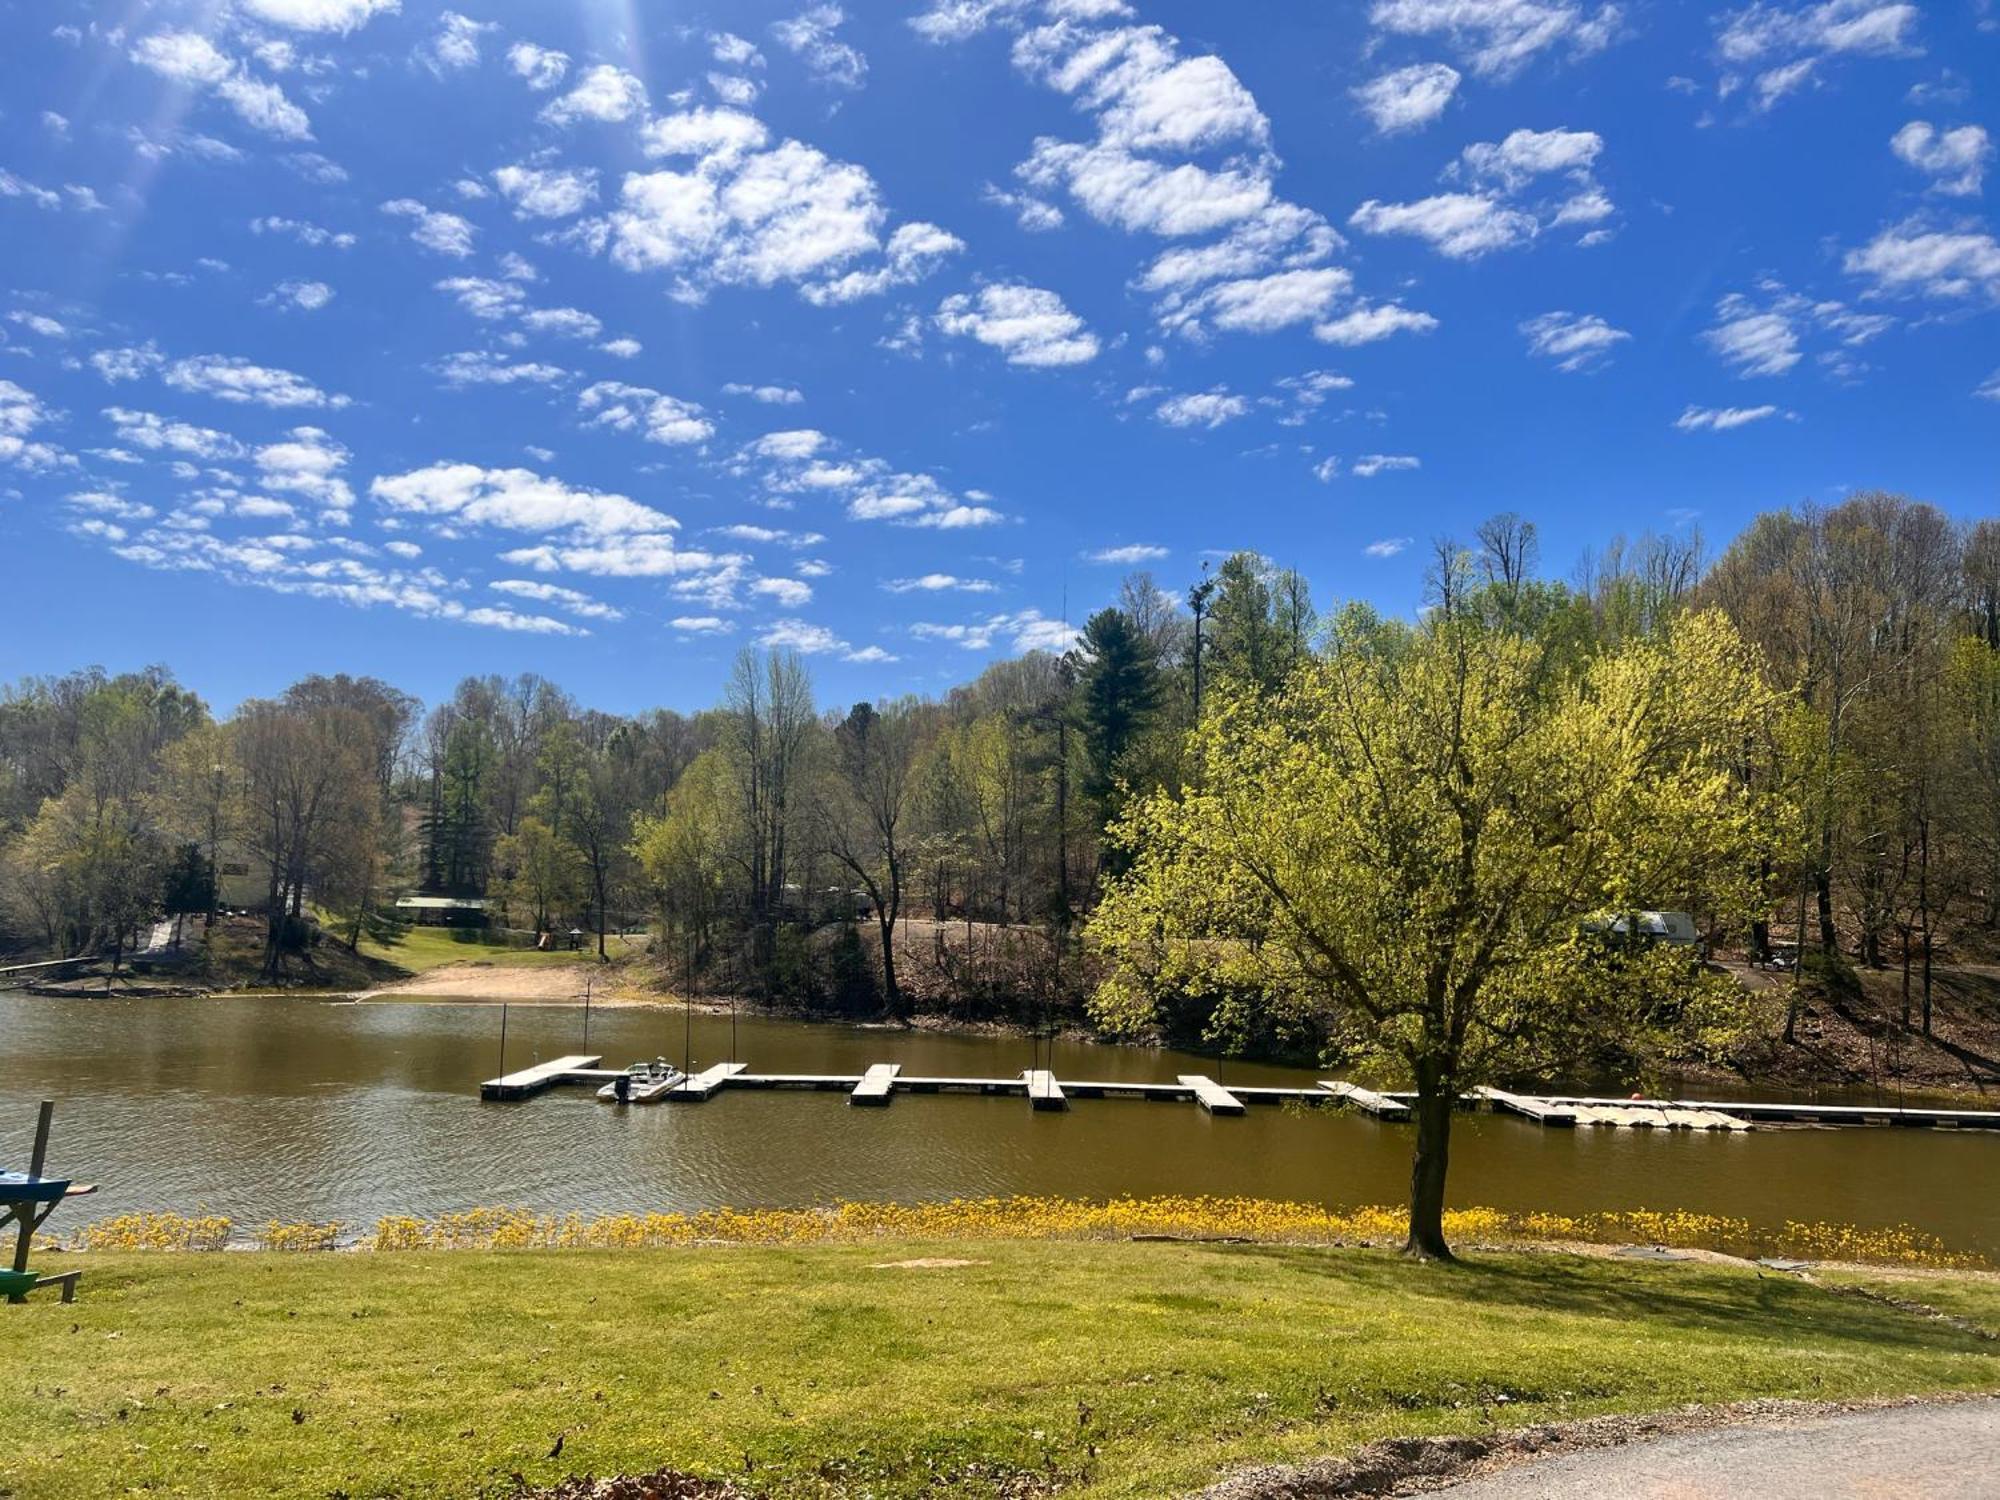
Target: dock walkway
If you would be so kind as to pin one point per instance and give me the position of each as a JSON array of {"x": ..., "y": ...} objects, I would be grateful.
[
  {"x": 876, "y": 1084},
  {"x": 531, "y": 1081},
  {"x": 881, "y": 1082},
  {"x": 1211, "y": 1095}
]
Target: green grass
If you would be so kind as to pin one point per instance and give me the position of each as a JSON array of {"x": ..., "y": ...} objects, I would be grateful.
[
  {"x": 1117, "y": 1369},
  {"x": 419, "y": 949}
]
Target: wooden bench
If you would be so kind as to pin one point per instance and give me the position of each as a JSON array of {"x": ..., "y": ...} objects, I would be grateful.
[{"x": 65, "y": 1279}]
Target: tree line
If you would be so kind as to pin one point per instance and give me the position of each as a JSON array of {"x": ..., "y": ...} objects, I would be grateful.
[{"x": 787, "y": 852}]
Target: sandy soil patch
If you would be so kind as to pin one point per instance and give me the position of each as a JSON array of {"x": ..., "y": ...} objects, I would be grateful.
[{"x": 538, "y": 984}]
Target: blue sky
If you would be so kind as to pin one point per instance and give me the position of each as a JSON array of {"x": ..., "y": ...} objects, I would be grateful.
[{"x": 604, "y": 339}]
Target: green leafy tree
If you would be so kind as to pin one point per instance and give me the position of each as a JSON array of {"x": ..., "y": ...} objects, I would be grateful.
[{"x": 1409, "y": 843}]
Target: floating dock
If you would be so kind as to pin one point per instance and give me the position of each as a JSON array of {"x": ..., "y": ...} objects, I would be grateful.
[
  {"x": 531, "y": 1081},
  {"x": 881, "y": 1082},
  {"x": 704, "y": 1083},
  {"x": 1211, "y": 1095},
  {"x": 876, "y": 1084},
  {"x": 1382, "y": 1106},
  {"x": 1043, "y": 1090}
]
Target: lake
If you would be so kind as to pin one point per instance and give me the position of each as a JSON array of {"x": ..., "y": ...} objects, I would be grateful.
[{"x": 309, "y": 1109}]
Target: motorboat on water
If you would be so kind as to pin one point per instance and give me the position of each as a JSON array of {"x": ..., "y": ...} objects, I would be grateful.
[{"x": 642, "y": 1083}]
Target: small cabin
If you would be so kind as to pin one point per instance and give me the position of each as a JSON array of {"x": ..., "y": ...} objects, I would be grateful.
[{"x": 443, "y": 911}]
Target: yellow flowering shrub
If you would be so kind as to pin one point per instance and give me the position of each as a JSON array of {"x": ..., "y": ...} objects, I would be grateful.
[
  {"x": 307, "y": 1236},
  {"x": 155, "y": 1231},
  {"x": 1265, "y": 1220}
]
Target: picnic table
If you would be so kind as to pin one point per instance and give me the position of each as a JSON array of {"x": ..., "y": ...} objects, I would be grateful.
[{"x": 26, "y": 1201}]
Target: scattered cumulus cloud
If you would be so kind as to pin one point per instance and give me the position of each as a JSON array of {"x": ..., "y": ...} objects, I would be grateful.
[
  {"x": 1955, "y": 160},
  {"x": 1029, "y": 325},
  {"x": 1721, "y": 419},
  {"x": 1407, "y": 98},
  {"x": 1575, "y": 341}
]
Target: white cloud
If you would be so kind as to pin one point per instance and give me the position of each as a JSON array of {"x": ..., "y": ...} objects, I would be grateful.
[
  {"x": 734, "y": 89},
  {"x": 789, "y": 593},
  {"x": 562, "y": 322},
  {"x": 1033, "y": 214},
  {"x": 913, "y": 252},
  {"x": 484, "y": 297},
  {"x": 191, "y": 59},
  {"x": 1407, "y": 98},
  {"x": 21, "y": 412},
  {"x": 1127, "y": 556},
  {"x": 542, "y": 67},
  {"x": 1140, "y": 194},
  {"x": 305, "y": 232},
  {"x": 1370, "y": 464},
  {"x": 1497, "y": 38},
  {"x": 1575, "y": 341},
  {"x": 307, "y": 462},
  {"x": 621, "y": 348},
  {"x": 1202, "y": 408},
  {"x": 1777, "y": 51},
  {"x": 603, "y": 93},
  {"x": 19, "y": 187},
  {"x": 1463, "y": 226},
  {"x": 483, "y": 367},
  {"x": 143, "y": 429},
  {"x": 1913, "y": 259},
  {"x": 1389, "y": 546},
  {"x": 1955, "y": 160},
  {"x": 232, "y": 378},
  {"x": 339, "y": 16},
  {"x": 263, "y": 106},
  {"x": 541, "y": 193},
  {"x": 1029, "y": 325},
  {"x": 518, "y": 500},
  {"x": 571, "y": 601},
  {"x": 770, "y": 395},
  {"x": 742, "y": 215},
  {"x": 636, "y": 408},
  {"x": 455, "y": 46},
  {"x": 1371, "y": 324},
  {"x": 41, "y": 323},
  {"x": 306, "y": 296},
  {"x": 1721, "y": 419},
  {"x": 1754, "y": 341},
  {"x": 1989, "y": 389},
  {"x": 1025, "y": 630},
  {"x": 1524, "y": 155},
  {"x": 446, "y": 234},
  {"x": 938, "y": 583},
  {"x": 815, "y": 640},
  {"x": 184, "y": 56},
  {"x": 701, "y": 624},
  {"x": 810, "y": 35},
  {"x": 1261, "y": 304}
]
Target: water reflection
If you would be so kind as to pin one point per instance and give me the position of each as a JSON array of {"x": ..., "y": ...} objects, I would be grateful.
[{"x": 308, "y": 1109}]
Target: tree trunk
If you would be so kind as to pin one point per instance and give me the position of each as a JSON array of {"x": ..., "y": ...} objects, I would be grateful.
[
  {"x": 891, "y": 993},
  {"x": 1427, "y": 1168},
  {"x": 1829, "y": 937}
]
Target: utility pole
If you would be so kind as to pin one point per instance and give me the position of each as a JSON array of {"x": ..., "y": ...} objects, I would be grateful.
[{"x": 1198, "y": 597}]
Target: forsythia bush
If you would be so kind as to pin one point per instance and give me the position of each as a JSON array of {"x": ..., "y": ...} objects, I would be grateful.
[{"x": 1031, "y": 1218}]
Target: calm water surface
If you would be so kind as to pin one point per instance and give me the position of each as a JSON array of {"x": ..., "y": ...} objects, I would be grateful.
[{"x": 301, "y": 1109}]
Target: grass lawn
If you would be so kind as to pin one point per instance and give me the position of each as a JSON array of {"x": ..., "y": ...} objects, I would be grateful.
[
  {"x": 419, "y": 949},
  {"x": 1107, "y": 1369}
]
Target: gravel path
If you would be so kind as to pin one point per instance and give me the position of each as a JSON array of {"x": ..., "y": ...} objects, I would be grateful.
[{"x": 1947, "y": 1452}]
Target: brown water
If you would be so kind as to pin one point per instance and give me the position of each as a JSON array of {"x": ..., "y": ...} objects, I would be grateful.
[{"x": 302, "y": 1109}]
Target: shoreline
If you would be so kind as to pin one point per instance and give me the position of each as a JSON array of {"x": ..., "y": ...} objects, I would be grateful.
[{"x": 536, "y": 986}]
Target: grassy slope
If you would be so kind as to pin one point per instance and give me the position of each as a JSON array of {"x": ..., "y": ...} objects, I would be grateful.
[
  {"x": 416, "y": 950},
  {"x": 1124, "y": 1369}
]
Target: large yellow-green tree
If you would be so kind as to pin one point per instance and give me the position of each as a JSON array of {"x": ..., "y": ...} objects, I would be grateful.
[{"x": 1410, "y": 840}]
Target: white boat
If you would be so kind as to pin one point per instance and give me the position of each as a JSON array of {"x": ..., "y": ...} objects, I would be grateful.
[{"x": 644, "y": 1083}]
